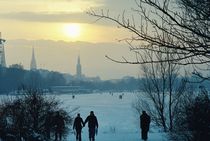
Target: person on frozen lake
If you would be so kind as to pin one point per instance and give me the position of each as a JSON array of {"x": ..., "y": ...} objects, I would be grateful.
[
  {"x": 92, "y": 125},
  {"x": 144, "y": 125},
  {"x": 78, "y": 124}
]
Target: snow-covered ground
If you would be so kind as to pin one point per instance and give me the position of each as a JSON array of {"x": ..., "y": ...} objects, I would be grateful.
[{"x": 118, "y": 121}]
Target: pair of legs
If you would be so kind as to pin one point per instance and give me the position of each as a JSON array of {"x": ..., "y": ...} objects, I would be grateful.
[
  {"x": 92, "y": 134},
  {"x": 78, "y": 135},
  {"x": 144, "y": 134},
  {"x": 58, "y": 135}
]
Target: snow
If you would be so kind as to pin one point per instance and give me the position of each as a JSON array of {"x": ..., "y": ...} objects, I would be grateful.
[{"x": 118, "y": 121}]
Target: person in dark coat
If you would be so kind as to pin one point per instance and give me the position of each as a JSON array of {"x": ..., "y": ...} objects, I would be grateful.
[
  {"x": 48, "y": 124},
  {"x": 144, "y": 124},
  {"x": 92, "y": 125},
  {"x": 78, "y": 124},
  {"x": 59, "y": 126}
]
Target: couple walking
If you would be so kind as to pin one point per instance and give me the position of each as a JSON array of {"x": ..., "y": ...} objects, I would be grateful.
[{"x": 92, "y": 125}]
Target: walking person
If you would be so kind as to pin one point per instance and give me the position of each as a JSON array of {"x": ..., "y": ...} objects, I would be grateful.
[
  {"x": 78, "y": 124},
  {"x": 59, "y": 126},
  {"x": 92, "y": 125},
  {"x": 144, "y": 124}
]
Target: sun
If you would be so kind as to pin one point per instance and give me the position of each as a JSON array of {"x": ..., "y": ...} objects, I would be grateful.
[{"x": 72, "y": 30}]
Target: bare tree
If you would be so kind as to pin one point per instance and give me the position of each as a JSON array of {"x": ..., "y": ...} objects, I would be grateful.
[
  {"x": 185, "y": 23},
  {"x": 163, "y": 87},
  {"x": 171, "y": 32}
]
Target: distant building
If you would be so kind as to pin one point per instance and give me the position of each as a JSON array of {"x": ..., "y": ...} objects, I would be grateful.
[
  {"x": 79, "y": 69},
  {"x": 2, "y": 53},
  {"x": 33, "y": 61}
]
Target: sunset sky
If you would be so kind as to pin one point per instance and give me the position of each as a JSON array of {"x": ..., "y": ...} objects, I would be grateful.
[{"x": 66, "y": 21}]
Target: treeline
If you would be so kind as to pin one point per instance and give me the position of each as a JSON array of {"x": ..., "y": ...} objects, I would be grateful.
[
  {"x": 13, "y": 78},
  {"x": 117, "y": 85}
]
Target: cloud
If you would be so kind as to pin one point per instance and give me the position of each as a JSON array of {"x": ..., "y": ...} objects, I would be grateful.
[
  {"x": 73, "y": 11},
  {"x": 55, "y": 17},
  {"x": 48, "y": 17}
]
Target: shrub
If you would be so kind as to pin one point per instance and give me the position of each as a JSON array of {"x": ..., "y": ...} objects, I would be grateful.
[
  {"x": 192, "y": 123},
  {"x": 27, "y": 116}
]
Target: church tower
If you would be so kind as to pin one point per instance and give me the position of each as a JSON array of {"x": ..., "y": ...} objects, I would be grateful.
[
  {"x": 2, "y": 53},
  {"x": 33, "y": 61},
  {"x": 79, "y": 68}
]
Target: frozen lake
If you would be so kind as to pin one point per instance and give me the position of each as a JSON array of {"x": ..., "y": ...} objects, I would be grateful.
[{"x": 118, "y": 121}]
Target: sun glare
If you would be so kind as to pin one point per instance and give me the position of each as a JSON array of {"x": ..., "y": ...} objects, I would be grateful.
[{"x": 72, "y": 30}]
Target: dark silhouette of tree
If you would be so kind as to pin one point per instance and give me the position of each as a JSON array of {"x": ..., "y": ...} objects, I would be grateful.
[
  {"x": 163, "y": 88},
  {"x": 34, "y": 79},
  {"x": 27, "y": 116},
  {"x": 18, "y": 66},
  {"x": 55, "y": 78},
  {"x": 178, "y": 28},
  {"x": 185, "y": 24},
  {"x": 15, "y": 76},
  {"x": 10, "y": 78},
  {"x": 192, "y": 122}
]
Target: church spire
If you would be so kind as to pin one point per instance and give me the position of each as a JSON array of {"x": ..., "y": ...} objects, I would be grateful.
[
  {"x": 33, "y": 61},
  {"x": 79, "y": 68},
  {"x": 2, "y": 53}
]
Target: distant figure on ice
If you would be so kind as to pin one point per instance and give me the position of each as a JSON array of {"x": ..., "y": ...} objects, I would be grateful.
[
  {"x": 92, "y": 125},
  {"x": 78, "y": 124},
  {"x": 144, "y": 124},
  {"x": 59, "y": 126}
]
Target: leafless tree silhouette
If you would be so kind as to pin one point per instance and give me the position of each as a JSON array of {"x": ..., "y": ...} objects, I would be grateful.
[
  {"x": 181, "y": 26},
  {"x": 162, "y": 91}
]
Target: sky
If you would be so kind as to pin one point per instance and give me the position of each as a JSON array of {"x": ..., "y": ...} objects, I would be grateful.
[{"x": 60, "y": 31}]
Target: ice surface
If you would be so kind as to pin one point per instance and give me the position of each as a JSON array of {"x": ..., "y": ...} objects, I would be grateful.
[{"x": 118, "y": 121}]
